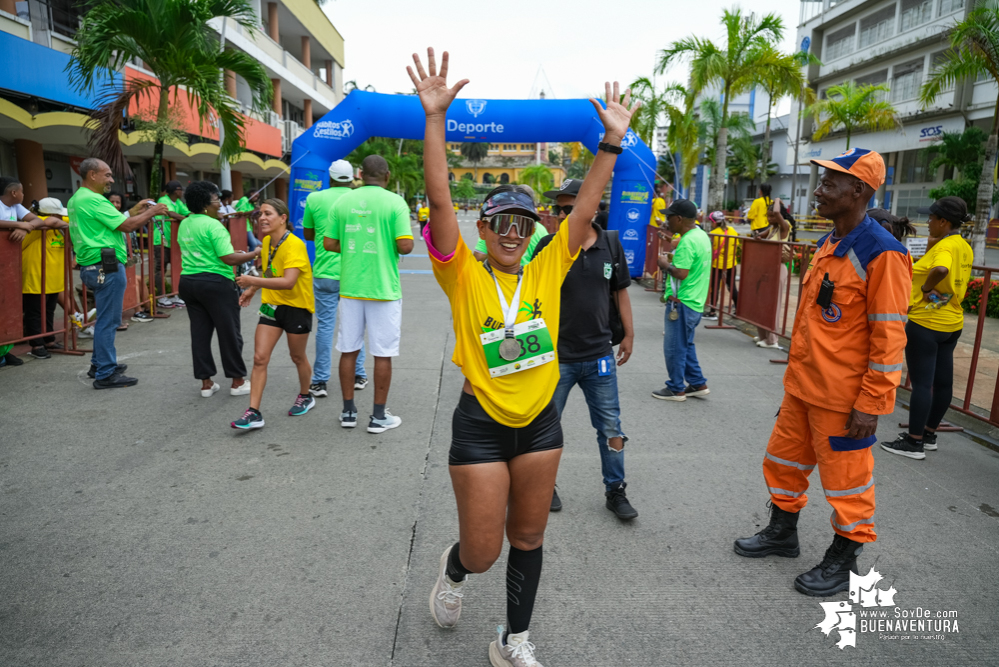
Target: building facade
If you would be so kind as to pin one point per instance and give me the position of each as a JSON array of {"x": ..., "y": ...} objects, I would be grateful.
[
  {"x": 42, "y": 119},
  {"x": 896, "y": 43},
  {"x": 505, "y": 162}
]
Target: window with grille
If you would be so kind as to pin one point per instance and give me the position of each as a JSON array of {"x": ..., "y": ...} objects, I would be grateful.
[
  {"x": 938, "y": 59},
  {"x": 949, "y": 6},
  {"x": 877, "y": 27},
  {"x": 840, "y": 43},
  {"x": 876, "y": 79},
  {"x": 916, "y": 13},
  {"x": 906, "y": 79},
  {"x": 908, "y": 202}
]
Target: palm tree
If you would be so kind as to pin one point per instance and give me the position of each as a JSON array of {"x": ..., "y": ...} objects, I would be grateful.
[
  {"x": 783, "y": 78},
  {"x": 733, "y": 68},
  {"x": 746, "y": 162},
  {"x": 174, "y": 41},
  {"x": 711, "y": 124},
  {"x": 538, "y": 176},
  {"x": 682, "y": 135},
  {"x": 974, "y": 52},
  {"x": 851, "y": 108},
  {"x": 475, "y": 152}
]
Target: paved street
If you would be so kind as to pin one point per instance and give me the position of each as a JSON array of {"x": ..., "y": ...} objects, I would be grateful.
[{"x": 137, "y": 529}]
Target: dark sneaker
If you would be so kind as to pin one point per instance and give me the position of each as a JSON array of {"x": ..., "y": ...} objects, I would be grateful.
[
  {"x": 382, "y": 425},
  {"x": 665, "y": 394},
  {"x": 700, "y": 390},
  {"x": 556, "y": 501},
  {"x": 617, "y": 502},
  {"x": 348, "y": 419},
  {"x": 903, "y": 445},
  {"x": 115, "y": 381},
  {"x": 360, "y": 382},
  {"x": 40, "y": 352},
  {"x": 142, "y": 316},
  {"x": 54, "y": 346},
  {"x": 779, "y": 538},
  {"x": 118, "y": 370},
  {"x": 10, "y": 360},
  {"x": 318, "y": 389},
  {"x": 250, "y": 419},
  {"x": 303, "y": 404},
  {"x": 929, "y": 441},
  {"x": 832, "y": 575}
]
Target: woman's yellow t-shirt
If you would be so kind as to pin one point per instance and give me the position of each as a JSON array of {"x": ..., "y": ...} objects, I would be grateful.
[
  {"x": 724, "y": 257},
  {"x": 31, "y": 262},
  {"x": 291, "y": 254},
  {"x": 758, "y": 213},
  {"x": 513, "y": 400},
  {"x": 954, "y": 253}
]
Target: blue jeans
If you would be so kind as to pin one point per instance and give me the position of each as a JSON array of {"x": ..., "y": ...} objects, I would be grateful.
[
  {"x": 601, "y": 396},
  {"x": 109, "y": 298},
  {"x": 251, "y": 241},
  {"x": 678, "y": 348},
  {"x": 327, "y": 295}
]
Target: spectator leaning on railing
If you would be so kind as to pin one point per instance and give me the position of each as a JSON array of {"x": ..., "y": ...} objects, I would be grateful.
[
  {"x": 51, "y": 244},
  {"x": 98, "y": 232}
]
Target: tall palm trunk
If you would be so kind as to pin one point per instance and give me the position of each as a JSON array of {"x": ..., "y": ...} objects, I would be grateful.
[
  {"x": 984, "y": 205},
  {"x": 716, "y": 191},
  {"x": 156, "y": 173},
  {"x": 765, "y": 152}
]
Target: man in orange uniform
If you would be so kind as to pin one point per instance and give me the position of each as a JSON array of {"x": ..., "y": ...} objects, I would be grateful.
[{"x": 844, "y": 364}]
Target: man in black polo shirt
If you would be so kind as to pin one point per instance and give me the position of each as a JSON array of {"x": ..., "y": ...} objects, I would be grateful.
[{"x": 585, "y": 353}]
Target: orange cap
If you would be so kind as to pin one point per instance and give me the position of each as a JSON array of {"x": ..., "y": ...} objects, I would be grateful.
[{"x": 867, "y": 165}]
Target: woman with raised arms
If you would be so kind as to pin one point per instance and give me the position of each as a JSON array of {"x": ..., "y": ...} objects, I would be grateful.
[{"x": 506, "y": 434}]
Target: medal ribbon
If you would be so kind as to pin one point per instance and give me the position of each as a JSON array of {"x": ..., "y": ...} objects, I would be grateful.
[{"x": 509, "y": 310}]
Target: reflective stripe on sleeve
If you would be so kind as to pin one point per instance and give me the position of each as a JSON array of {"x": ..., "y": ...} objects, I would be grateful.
[
  {"x": 887, "y": 317},
  {"x": 784, "y": 492},
  {"x": 884, "y": 368},
  {"x": 848, "y": 492},
  {"x": 856, "y": 264},
  {"x": 792, "y": 464},
  {"x": 847, "y": 528}
]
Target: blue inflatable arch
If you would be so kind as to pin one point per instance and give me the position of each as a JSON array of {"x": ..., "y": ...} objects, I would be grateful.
[{"x": 362, "y": 115}]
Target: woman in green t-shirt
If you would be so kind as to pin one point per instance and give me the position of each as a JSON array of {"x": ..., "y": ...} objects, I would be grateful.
[{"x": 208, "y": 288}]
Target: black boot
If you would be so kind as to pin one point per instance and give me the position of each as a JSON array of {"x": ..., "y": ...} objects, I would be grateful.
[
  {"x": 832, "y": 575},
  {"x": 617, "y": 502},
  {"x": 780, "y": 538}
]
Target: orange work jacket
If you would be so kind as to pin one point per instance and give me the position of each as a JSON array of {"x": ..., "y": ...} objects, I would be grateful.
[{"x": 850, "y": 354}]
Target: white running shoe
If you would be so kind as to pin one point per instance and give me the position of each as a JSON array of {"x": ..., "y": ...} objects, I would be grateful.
[
  {"x": 515, "y": 652},
  {"x": 445, "y": 597},
  {"x": 382, "y": 425},
  {"x": 241, "y": 390},
  {"x": 177, "y": 301},
  {"x": 165, "y": 302},
  {"x": 348, "y": 419},
  {"x": 87, "y": 332},
  {"x": 207, "y": 393}
]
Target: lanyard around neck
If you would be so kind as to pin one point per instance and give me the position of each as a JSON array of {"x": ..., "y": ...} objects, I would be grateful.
[
  {"x": 273, "y": 252},
  {"x": 509, "y": 309}
]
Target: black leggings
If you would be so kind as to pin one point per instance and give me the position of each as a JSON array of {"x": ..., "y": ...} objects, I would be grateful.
[
  {"x": 930, "y": 357},
  {"x": 721, "y": 277}
]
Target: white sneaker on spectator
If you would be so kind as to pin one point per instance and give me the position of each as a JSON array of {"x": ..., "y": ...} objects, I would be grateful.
[
  {"x": 165, "y": 302},
  {"x": 177, "y": 301},
  {"x": 207, "y": 393},
  {"x": 241, "y": 390},
  {"x": 88, "y": 332},
  {"x": 763, "y": 343}
]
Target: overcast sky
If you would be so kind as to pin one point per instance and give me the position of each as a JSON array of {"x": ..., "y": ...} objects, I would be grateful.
[{"x": 500, "y": 46}]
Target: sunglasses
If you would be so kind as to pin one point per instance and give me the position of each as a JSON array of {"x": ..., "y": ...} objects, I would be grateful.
[
  {"x": 502, "y": 222},
  {"x": 556, "y": 209}
]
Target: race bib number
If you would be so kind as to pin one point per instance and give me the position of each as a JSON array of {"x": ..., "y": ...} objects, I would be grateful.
[
  {"x": 536, "y": 348},
  {"x": 267, "y": 310}
]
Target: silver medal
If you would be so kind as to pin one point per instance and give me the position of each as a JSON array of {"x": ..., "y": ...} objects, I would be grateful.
[
  {"x": 509, "y": 349},
  {"x": 674, "y": 315}
]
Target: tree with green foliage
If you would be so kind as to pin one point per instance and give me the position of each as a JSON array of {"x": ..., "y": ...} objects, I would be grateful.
[
  {"x": 783, "y": 78},
  {"x": 963, "y": 152},
  {"x": 404, "y": 158},
  {"x": 853, "y": 108},
  {"x": 475, "y": 152},
  {"x": 974, "y": 53},
  {"x": 734, "y": 68},
  {"x": 462, "y": 189},
  {"x": 174, "y": 41},
  {"x": 538, "y": 176}
]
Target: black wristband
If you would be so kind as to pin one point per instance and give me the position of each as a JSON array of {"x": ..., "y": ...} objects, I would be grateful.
[{"x": 610, "y": 148}]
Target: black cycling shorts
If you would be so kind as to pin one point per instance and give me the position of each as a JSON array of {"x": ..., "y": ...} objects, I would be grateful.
[
  {"x": 478, "y": 438},
  {"x": 293, "y": 320}
]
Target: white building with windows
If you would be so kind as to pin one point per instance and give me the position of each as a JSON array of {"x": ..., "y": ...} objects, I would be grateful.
[{"x": 896, "y": 43}]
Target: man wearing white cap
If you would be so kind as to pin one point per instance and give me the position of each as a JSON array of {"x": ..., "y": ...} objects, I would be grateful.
[{"x": 326, "y": 277}]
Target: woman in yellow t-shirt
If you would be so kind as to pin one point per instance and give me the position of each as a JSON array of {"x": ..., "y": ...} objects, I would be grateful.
[
  {"x": 758, "y": 209},
  {"x": 723, "y": 253},
  {"x": 936, "y": 318},
  {"x": 506, "y": 435},
  {"x": 286, "y": 305}
]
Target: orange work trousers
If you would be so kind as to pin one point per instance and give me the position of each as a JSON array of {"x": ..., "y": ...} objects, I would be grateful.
[{"x": 799, "y": 442}]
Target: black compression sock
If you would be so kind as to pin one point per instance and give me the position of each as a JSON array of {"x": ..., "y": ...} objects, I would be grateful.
[
  {"x": 379, "y": 411},
  {"x": 523, "y": 572},
  {"x": 348, "y": 406},
  {"x": 455, "y": 571}
]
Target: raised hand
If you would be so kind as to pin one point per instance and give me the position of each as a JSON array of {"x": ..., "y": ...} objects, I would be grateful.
[
  {"x": 617, "y": 116},
  {"x": 434, "y": 94}
]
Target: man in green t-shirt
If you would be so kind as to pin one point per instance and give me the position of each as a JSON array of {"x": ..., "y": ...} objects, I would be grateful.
[
  {"x": 370, "y": 228},
  {"x": 248, "y": 205},
  {"x": 95, "y": 224},
  {"x": 688, "y": 275},
  {"x": 326, "y": 276},
  {"x": 176, "y": 211}
]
